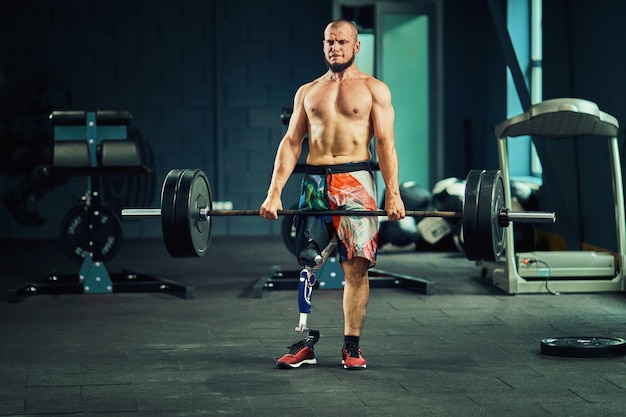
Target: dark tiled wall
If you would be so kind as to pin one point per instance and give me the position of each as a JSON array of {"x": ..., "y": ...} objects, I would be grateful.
[{"x": 204, "y": 80}]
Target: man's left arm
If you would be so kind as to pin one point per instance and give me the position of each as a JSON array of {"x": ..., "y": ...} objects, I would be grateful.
[{"x": 382, "y": 119}]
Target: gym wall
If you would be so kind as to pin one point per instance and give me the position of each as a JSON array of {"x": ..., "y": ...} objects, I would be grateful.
[
  {"x": 206, "y": 82},
  {"x": 582, "y": 58}
]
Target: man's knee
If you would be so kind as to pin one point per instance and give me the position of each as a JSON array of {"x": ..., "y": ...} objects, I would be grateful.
[
  {"x": 312, "y": 236},
  {"x": 355, "y": 269}
]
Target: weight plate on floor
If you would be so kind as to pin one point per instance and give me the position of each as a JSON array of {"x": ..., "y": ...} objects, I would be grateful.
[
  {"x": 76, "y": 234},
  {"x": 583, "y": 347},
  {"x": 168, "y": 212},
  {"x": 193, "y": 193},
  {"x": 470, "y": 214},
  {"x": 490, "y": 235}
]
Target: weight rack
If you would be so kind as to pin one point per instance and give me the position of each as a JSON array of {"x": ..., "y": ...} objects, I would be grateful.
[{"x": 93, "y": 144}]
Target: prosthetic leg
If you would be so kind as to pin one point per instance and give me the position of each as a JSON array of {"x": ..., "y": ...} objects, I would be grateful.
[
  {"x": 302, "y": 352},
  {"x": 306, "y": 283}
]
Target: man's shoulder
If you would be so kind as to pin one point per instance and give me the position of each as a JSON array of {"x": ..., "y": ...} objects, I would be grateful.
[
  {"x": 309, "y": 86},
  {"x": 373, "y": 81},
  {"x": 304, "y": 88},
  {"x": 377, "y": 86}
]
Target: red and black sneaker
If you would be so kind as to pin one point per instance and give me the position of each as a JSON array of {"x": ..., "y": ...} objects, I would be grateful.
[
  {"x": 300, "y": 353},
  {"x": 352, "y": 357}
]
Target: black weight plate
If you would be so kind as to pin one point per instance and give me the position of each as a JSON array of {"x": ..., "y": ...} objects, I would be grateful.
[
  {"x": 490, "y": 201},
  {"x": 200, "y": 199},
  {"x": 168, "y": 212},
  {"x": 194, "y": 233},
  {"x": 76, "y": 234},
  {"x": 183, "y": 242},
  {"x": 583, "y": 347},
  {"x": 497, "y": 230},
  {"x": 470, "y": 214}
]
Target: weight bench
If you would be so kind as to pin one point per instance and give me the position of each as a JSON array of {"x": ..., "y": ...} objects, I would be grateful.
[{"x": 94, "y": 144}]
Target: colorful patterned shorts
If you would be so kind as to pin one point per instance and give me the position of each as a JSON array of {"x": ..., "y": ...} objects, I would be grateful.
[{"x": 344, "y": 187}]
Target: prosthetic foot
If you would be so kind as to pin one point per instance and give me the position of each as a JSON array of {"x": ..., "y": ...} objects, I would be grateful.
[{"x": 300, "y": 353}]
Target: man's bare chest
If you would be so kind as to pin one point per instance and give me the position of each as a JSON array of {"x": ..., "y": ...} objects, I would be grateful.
[{"x": 330, "y": 100}]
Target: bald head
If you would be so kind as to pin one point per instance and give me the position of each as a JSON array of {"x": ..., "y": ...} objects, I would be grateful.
[{"x": 343, "y": 26}]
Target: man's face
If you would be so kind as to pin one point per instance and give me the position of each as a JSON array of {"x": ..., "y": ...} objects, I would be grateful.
[{"x": 340, "y": 47}]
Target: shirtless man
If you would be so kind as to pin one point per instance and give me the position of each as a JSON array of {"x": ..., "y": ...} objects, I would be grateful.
[{"x": 341, "y": 112}]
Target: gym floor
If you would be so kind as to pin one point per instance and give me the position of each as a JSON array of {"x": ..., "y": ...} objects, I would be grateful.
[{"x": 466, "y": 350}]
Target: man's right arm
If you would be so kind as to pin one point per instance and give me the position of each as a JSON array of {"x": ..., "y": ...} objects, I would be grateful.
[{"x": 287, "y": 156}]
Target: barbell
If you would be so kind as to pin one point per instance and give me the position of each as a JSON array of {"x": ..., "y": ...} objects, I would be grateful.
[{"x": 186, "y": 214}]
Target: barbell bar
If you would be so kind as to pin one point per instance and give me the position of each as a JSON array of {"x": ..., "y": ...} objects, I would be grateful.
[
  {"x": 186, "y": 214},
  {"x": 204, "y": 213}
]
